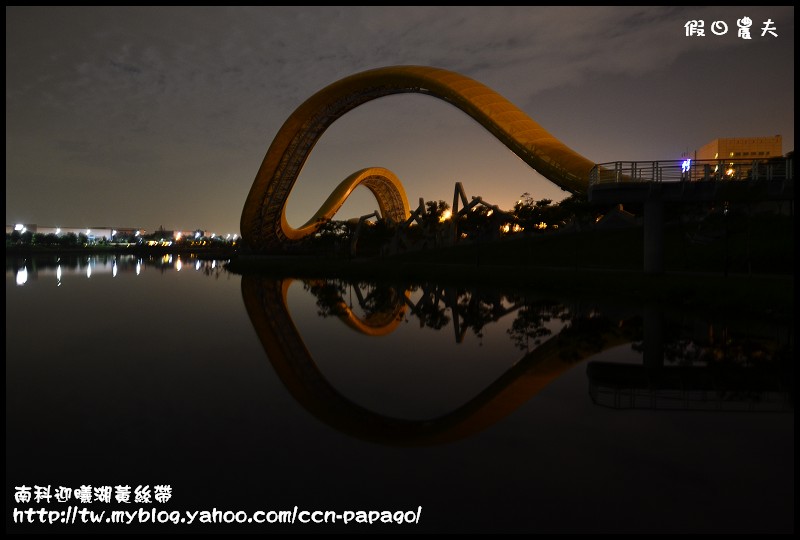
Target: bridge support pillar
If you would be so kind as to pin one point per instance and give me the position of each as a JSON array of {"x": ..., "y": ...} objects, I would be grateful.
[
  {"x": 653, "y": 235},
  {"x": 653, "y": 353}
]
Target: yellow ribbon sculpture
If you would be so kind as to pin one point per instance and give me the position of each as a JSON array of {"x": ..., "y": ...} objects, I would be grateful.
[{"x": 263, "y": 222}]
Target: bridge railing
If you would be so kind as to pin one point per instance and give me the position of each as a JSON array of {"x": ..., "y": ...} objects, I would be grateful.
[{"x": 689, "y": 170}]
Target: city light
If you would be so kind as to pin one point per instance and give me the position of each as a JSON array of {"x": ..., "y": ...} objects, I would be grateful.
[
  {"x": 506, "y": 228},
  {"x": 22, "y": 276}
]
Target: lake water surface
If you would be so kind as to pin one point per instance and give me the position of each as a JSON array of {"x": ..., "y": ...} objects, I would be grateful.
[{"x": 491, "y": 410}]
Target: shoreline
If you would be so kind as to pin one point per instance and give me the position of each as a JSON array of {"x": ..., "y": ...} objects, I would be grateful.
[
  {"x": 58, "y": 251},
  {"x": 770, "y": 295},
  {"x": 760, "y": 294}
]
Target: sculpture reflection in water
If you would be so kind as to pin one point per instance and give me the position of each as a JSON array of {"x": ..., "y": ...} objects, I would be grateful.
[
  {"x": 265, "y": 300},
  {"x": 688, "y": 364},
  {"x": 585, "y": 333}
]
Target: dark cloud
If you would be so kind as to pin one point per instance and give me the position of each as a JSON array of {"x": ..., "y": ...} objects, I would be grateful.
[{"x": 177, "y": 88}]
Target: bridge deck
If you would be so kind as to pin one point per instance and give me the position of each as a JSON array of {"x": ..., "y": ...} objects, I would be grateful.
[{"x": 687, "y": 180}]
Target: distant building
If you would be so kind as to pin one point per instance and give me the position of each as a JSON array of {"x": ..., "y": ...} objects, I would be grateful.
[
  {"x": 108, "y": 234},
  {"x": 94, "y": 234},
  {"x": 741, "y": 148},
  {"x": 21, "y": 228}
]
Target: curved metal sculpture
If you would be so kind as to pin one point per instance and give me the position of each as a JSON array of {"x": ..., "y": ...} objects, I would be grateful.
[{"x": 263, "y": 222}]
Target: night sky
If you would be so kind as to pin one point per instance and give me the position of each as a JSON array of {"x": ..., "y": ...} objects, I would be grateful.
[{"x": 161, "y": 116}]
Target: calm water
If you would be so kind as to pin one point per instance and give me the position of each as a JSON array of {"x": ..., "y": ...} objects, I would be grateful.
[{"x": 494, "y": 411}]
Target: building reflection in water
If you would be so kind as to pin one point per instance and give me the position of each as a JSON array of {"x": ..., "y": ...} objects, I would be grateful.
[
  {"x": 548, "y": 354},
  {"x": 691, "y": 366}
]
